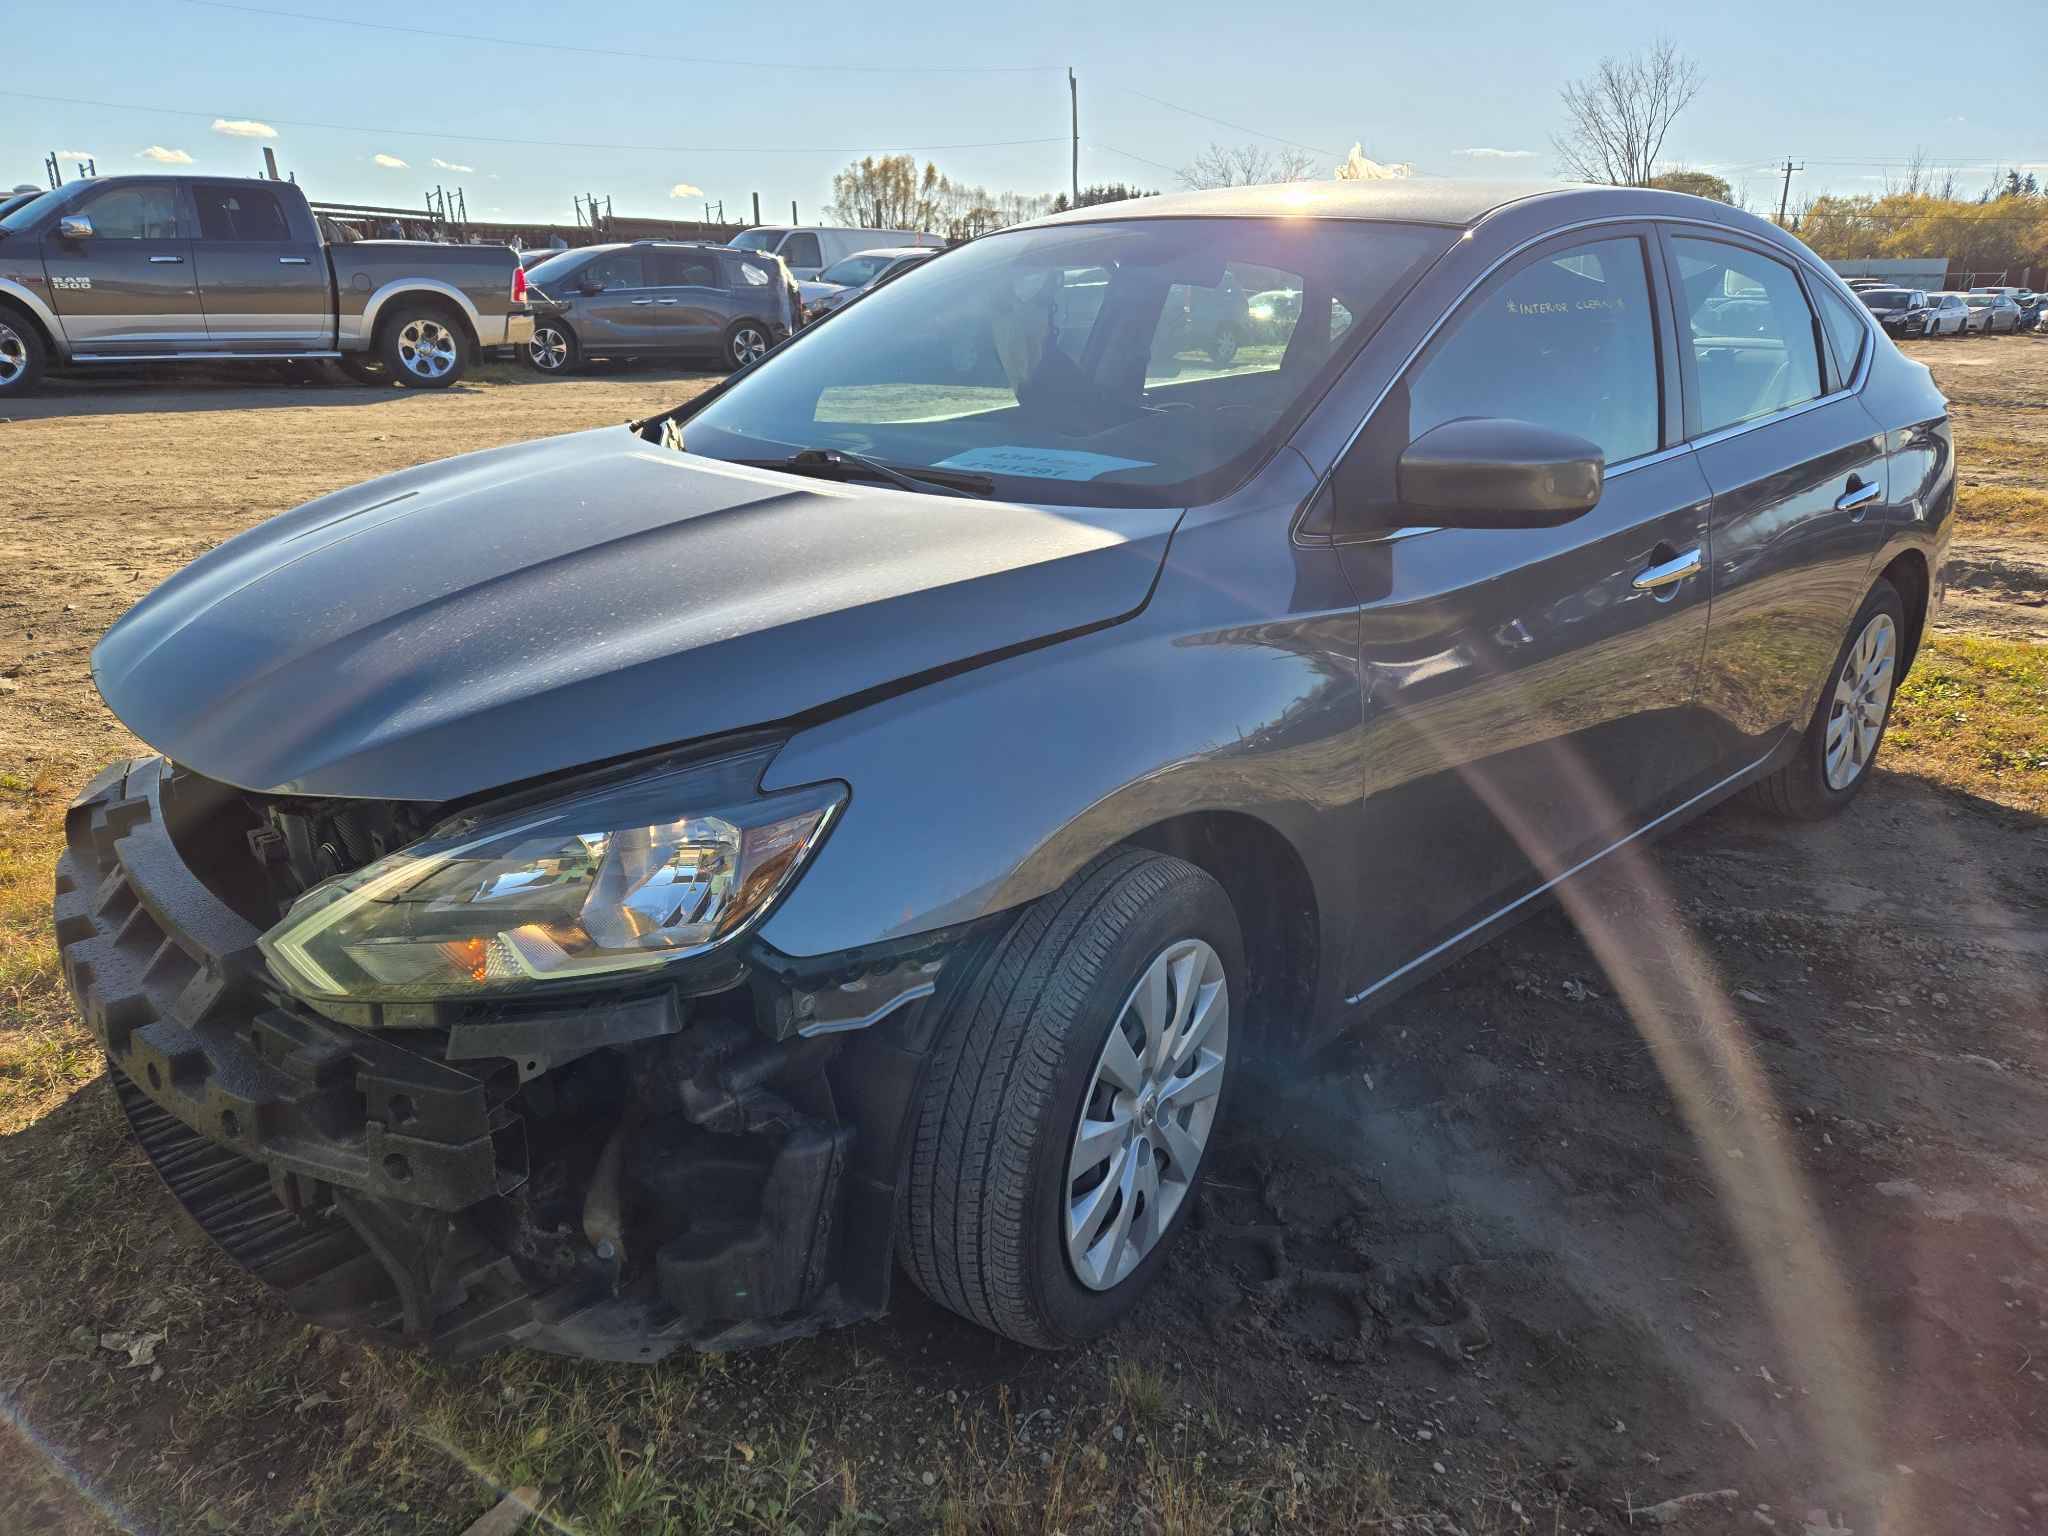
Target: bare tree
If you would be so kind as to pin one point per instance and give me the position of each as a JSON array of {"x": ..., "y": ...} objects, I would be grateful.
[
  {"x": 1246, "y": 165},
  {"x": 1616, "y": 118}
]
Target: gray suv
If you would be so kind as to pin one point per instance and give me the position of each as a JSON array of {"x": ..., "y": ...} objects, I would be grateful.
[{"x": 659, "y": 298}]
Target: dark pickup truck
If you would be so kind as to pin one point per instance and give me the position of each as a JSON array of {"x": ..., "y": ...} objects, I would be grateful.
[{"x": 181, "y": 268}]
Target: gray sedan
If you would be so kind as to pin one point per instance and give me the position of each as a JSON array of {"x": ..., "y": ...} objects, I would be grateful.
[
  {"x": 858, "y": 824},
  {"x": 843, "y": 282},
  {"x": 658, "y": 298}
]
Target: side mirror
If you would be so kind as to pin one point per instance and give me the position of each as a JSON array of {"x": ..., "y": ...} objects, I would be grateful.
[
  {"x": 1491, "y": 472},
  {"x": 590, "y": 287},
  {"x": 75, "y": 226}
]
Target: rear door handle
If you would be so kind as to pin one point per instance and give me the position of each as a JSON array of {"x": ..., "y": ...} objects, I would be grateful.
[
  {"x": 664, "y": 301},
  {"x": 1857, "y": 494},
  {"x": 167, "y": 261},
  {"x": 1668, "y": 572},
  {"x": 643, "y": 301},
  {"x": 291, "y": 261}
]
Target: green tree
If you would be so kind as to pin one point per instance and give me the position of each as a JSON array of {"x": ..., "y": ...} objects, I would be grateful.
[
  {"x": 1095, "y": 196},
  {"x": 1697, "y": 183}
]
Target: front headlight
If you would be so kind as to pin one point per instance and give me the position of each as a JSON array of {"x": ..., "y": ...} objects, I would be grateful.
[{"x": 607, "y": 884}]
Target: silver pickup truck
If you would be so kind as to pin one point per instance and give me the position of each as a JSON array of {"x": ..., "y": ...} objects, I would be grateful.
[{"x": 180, "y": 268}]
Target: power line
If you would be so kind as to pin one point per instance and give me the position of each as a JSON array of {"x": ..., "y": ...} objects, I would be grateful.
[
  {"x": 1112, "y": 149},
  {"x": 554, "y": 46},
  {"x": 1160, "y": 101},
  {"x": 478, "y": 138}
]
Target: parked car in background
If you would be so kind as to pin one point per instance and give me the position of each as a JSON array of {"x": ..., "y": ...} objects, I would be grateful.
[
  {"x": 1975, "y": 319},
  {"x": 1902, "y": 312},
  {"x": 1947, "y": 315},
  {"x": 808, "y": 249},
  {"x": 9, "y": 201},
  {"x": 213, "y": 269},
  {"x": 646, "y": 889},
  {"x": 1999, "y": 311},
  {"x": 847, "y": 279},
  {"x": 2030, "y": 307},
  {"x": 649, "y": 298}
]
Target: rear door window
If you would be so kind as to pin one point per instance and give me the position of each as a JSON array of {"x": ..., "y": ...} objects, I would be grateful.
[
  {"x": 1567, "y": 342},
  {"x": 685, "y": 269},
  {"x": 1754, "y": 341},
  {"x": 240, "y": 213}
]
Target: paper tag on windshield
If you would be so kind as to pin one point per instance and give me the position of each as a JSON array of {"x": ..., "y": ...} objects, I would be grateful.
[{"x": 1040, "y": 463}]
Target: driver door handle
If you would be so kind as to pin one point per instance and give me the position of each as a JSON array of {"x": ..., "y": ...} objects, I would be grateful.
[
  {"x": 642, "y": 301},
  {"x": 167, "y": 261},
  {"x": 1668, "y": 572}
]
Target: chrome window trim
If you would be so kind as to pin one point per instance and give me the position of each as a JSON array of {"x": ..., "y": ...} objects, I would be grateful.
[{"x": 1799, "y": 258}]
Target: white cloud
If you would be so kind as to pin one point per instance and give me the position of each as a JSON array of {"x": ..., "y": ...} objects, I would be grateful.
[
  {"x": 389, "y": 162},
  {"x": 164, "y": 156},
  {"x": 1499, "y": 154},
  {"x": 243, "y": 128},
  {"x": 76, "y": 154},
  {"x": 684, "y": 189},
  {"x": 450, "y": 165}
]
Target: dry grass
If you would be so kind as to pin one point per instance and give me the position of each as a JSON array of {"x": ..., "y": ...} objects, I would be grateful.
[
  {"x": 1973, "y": 717},
  {"x": 2001, "y": 510}
]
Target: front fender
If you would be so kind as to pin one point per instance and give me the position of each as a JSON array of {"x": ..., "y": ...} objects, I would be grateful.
[
  {"x": 33, "y": 302},
  {"x": 982, "y": 791}
]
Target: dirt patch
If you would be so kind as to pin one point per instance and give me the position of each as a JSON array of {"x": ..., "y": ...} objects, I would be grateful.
[{"x": 1726, "y": 1175}]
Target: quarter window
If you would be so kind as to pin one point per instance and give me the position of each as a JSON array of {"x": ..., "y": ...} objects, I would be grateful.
[
  {"x": 240, "y": 213},
  {"x": 134, "y": 213},
  {"x": 1846, "y": 329},
  {"x": 1567, "y": 342},
  {"x": 685, "y": 269},
  {"x": 1753, "y": 337}
]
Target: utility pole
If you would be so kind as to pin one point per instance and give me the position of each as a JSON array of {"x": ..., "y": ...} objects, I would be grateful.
[
  {"x": 1074, "y": 104},
  {"x": 757, "y": 208},
  {"x": 792, "y": 210},
  {"x": 1785, "y": 196},
  {"x": 270, "y": 162}
]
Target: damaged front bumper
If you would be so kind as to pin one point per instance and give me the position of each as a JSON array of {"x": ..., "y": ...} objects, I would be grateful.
[{"x": 618, "y": 1179}]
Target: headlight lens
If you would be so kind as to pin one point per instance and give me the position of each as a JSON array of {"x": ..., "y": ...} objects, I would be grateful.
[{"x": 608, "y": 884}]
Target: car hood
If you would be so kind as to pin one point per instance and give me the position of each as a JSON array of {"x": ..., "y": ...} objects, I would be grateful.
[{"x": 514, "y": 613}]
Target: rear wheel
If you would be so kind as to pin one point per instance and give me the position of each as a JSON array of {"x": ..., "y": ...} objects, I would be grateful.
[
  {"x": 745, "y": 340},
  {"x": 1083, "y": 1062},
  {"x": 1848, "y": 725},
  {"x": 22, "y": 357},
  {"x": 1223, "y": 346},
  {"x": 422, "y": 349}
]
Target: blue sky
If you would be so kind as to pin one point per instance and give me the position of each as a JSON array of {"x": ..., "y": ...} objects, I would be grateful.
[{"x": 1424, "y": 84}]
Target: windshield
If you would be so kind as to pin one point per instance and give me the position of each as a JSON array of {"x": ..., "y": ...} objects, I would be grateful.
[
  {"x": 1885, "y": 298},
  {"x": 755, "y": 240},
  {"x": 1109, "y": 364},
  {"x": 34, "y": 209},
  {"x": 855, "y": 270},
  {"x": 1979, "y": 300}
]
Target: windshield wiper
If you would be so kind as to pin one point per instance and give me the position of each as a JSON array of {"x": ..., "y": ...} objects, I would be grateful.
[{"x": 840, "y": 463}]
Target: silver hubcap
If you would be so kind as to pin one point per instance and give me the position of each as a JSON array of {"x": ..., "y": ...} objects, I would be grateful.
[
  {"x": 13, "y": 355},
  {"x": 748, "y": 344},
  {"x": 1148, "y": 1113},
  {"x": 1863, "y": 694},
  {"x": 426, "y": 348},
  {"x": 549, "y": 349}
]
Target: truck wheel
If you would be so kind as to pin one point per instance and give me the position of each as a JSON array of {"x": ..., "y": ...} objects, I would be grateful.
[
  {"x": 745, "y": 340},
  {"x": 553, "y": 348},
  {"x": 1849, "y": 723},
  {"x": 421, "y": 350},
  {"x": 1223, "y": 346},
  {"x": 22, "y": 357},
  {"x": 1082, "y": 1061}
]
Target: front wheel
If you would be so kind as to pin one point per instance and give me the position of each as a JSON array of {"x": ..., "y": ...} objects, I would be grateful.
[
  {"x": 552, "y": 348},
  {"x": 1848, "y": 725},
  {"x": 745, "y": 341},
  {"x": 1223, "y": 346},
  {"x": 421, "y": 350},
  {"x": 1083, "y": 1061}
]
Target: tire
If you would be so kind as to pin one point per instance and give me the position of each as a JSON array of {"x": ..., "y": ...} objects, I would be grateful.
[
  {"x": 422, "y": 348},
  {"x": 1223, "y": 346},
  {"x": 23, "y": 357},
  {"x": 557, "y": 354},
  {"x": 1805, "y": 789},
  {"x": 745, "y": 341},
  {"x": 1025, "y": 1025}
]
